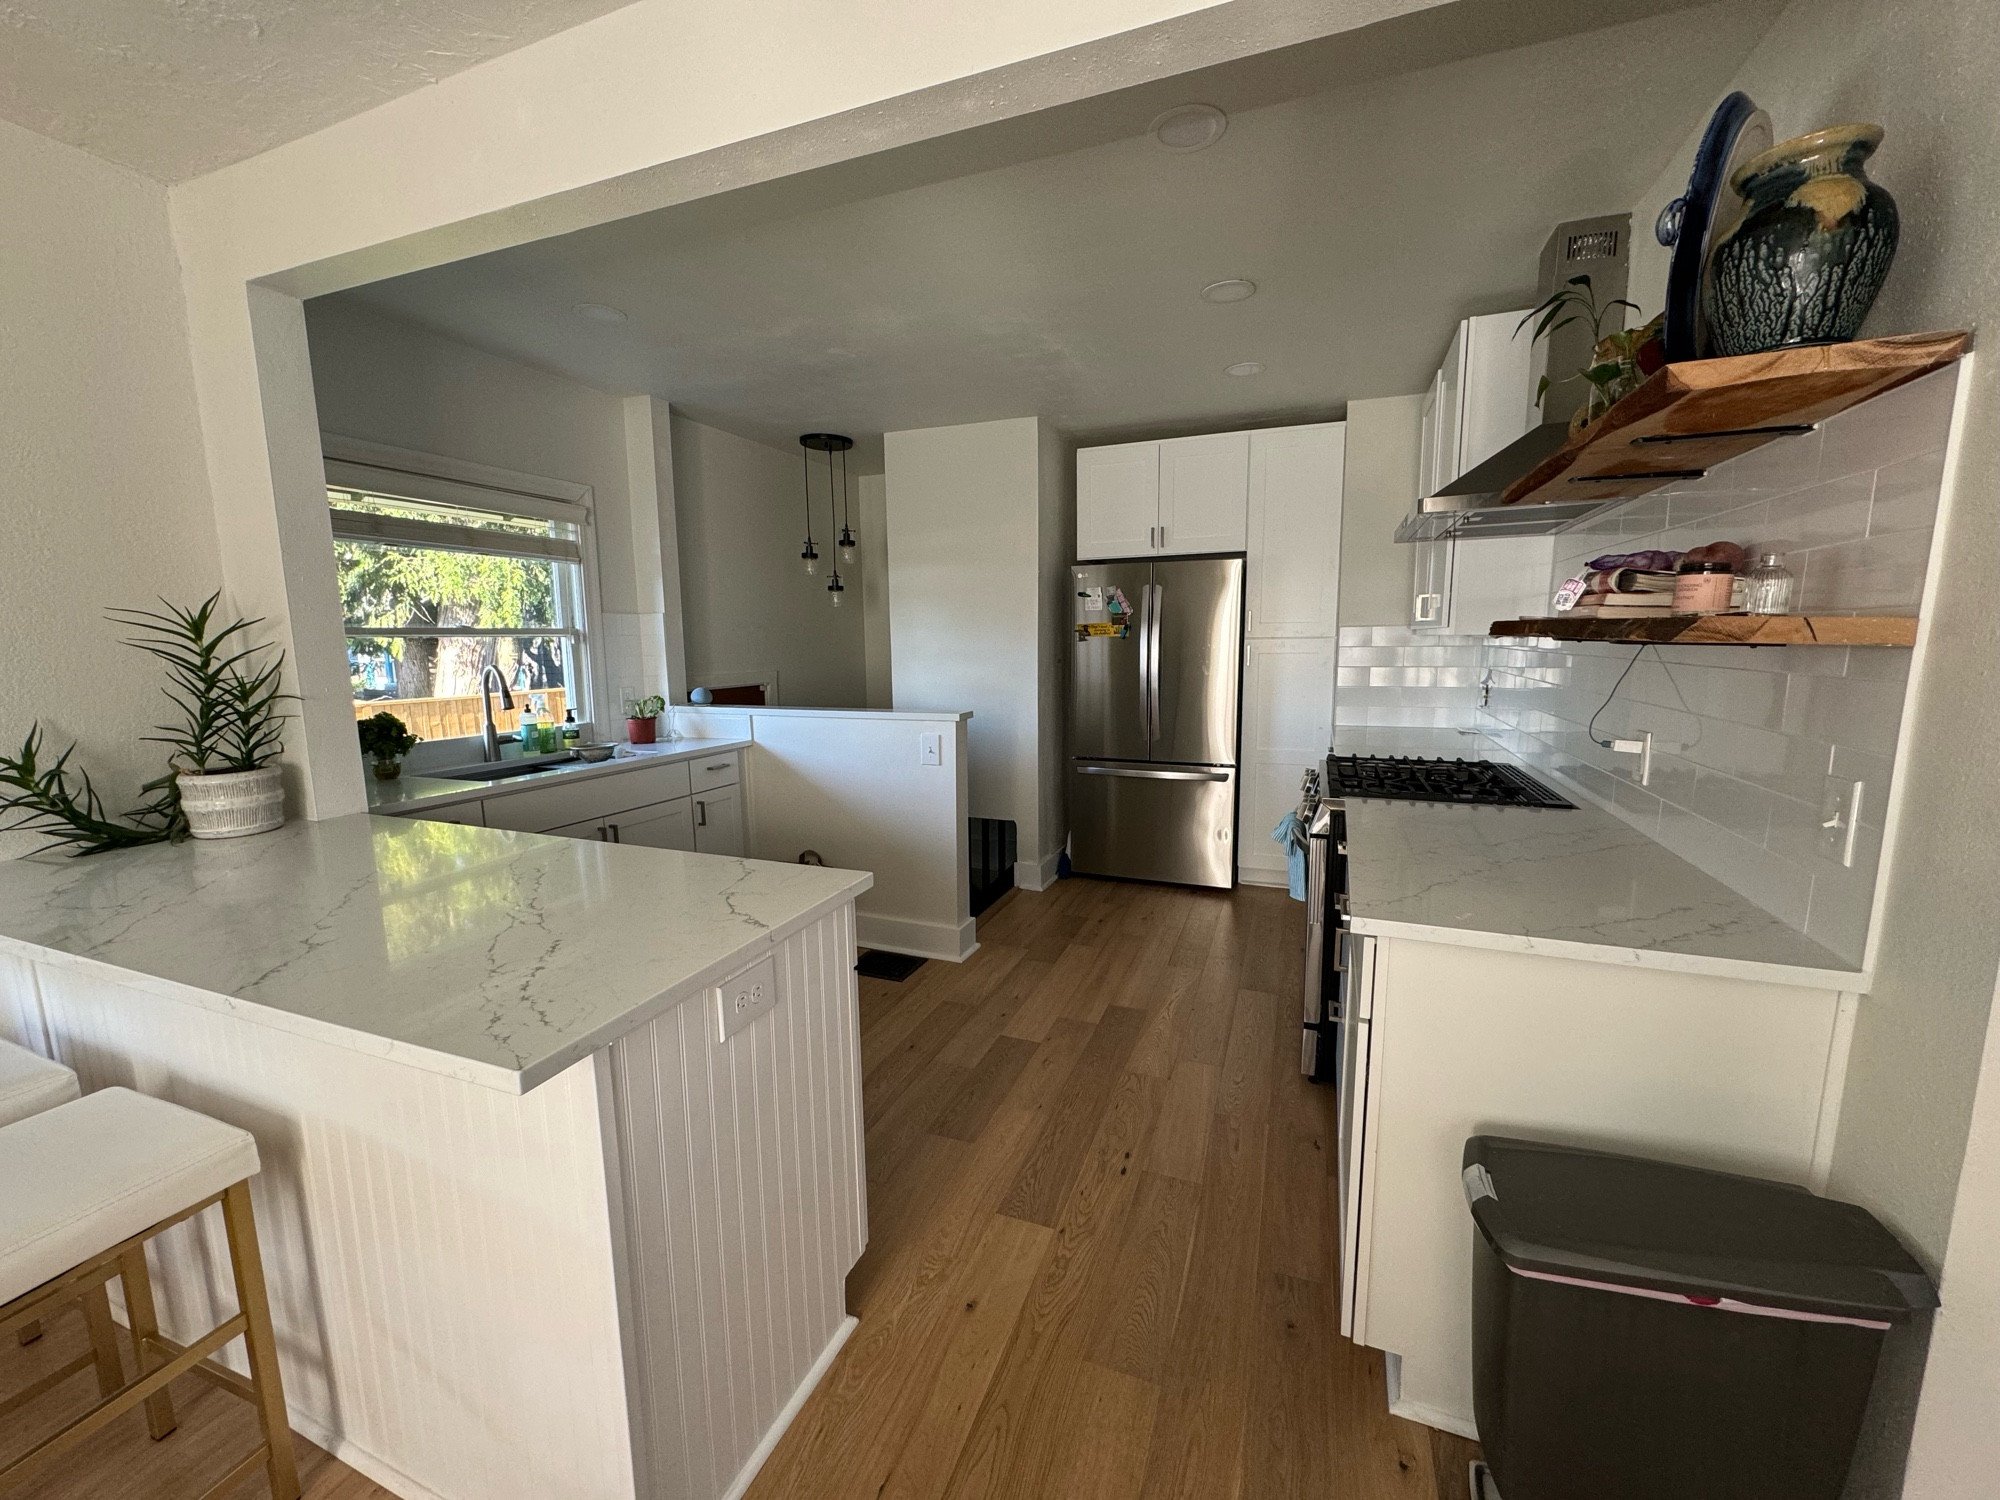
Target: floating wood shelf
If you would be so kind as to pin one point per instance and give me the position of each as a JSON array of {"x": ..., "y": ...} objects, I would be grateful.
[
  {"x": 1724, "y": 630},
  {"x": 1689, "y": 417}
]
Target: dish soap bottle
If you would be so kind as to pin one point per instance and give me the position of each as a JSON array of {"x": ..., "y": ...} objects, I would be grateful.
[
  {"x": 529, "y": 731},
  {"x": 572, "y": 732},
  {"x": 1771, "y": 585}
]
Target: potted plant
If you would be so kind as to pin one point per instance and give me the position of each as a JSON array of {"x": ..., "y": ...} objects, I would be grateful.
[
  {"x": 386, "y": 739},
  {"x": 225, "y": 747},
  {"x": 1619, "y": 361},
  {"x": 642, "y": 719}
]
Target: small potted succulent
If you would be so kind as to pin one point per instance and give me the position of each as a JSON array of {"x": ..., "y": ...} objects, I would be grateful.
[
  {"x": 642, "y": 719},
  {"x": 230, "y": 733},
  {"x": 385, "y": 740}
]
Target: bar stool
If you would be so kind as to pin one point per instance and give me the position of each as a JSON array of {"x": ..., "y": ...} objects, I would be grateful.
[
  {"x": 29, "y": 1084},
  {"x": 83, "y": 1186}
]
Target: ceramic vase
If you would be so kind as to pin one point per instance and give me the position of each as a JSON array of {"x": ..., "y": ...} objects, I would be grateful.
[{"x": 1805, "y": 262}]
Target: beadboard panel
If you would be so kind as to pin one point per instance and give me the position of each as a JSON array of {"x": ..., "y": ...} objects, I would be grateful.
[
  {"x": 744, "y": 1207},
  {"x": 439, "y": 1254}
]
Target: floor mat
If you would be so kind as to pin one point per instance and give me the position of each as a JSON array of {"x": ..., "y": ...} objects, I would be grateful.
[{"x": 892, "y": 966}]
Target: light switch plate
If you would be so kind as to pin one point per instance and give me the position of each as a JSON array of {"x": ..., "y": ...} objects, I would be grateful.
[
  {"x": 741, "y": 1000},
  {"x": 930, "y": 751}
]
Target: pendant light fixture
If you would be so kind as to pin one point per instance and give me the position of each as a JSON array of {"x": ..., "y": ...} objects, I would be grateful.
[{"x": 838, "y": 508}]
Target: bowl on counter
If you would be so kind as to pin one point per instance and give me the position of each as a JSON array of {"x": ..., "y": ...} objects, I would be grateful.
[{"x": 594, "y": 752}]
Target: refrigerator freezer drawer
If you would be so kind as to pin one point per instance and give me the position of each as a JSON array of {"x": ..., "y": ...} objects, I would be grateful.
[{"x": 1151, "y": 822}]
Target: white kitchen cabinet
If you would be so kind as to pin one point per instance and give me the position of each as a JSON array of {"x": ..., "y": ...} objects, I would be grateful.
[
  {"x": 1725, "y": 1072},
  {"x": 1204, "y": 494},
  {"x": 1164, "y": 499},
  {"x": 1117, "y": 500},
  {"x": 1462, "y": 587},
  {"x": 1287, "y": 727},
  {"x": 663, "y": 825},
  {"x": 1480, "y": 400},
  {"x": 472, "y": 813},
  {"x": 1292, "y": 577},
  {"x": 551, "y": 805},
  {"x": 718, "y": 821}
]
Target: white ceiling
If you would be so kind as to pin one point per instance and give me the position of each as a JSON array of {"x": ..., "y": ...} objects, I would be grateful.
[
  {"x": 1372, "y": 215},
  {"x": 176, "y": 88}
]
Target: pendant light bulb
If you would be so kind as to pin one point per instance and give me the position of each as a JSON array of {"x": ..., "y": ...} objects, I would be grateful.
[
  {"x": 835, "y": 589},
  {"x": 847, "y": 545},
  {"x": 810, "y": 557}
]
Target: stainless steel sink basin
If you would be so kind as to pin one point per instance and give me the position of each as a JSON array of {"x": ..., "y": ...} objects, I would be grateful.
[{"x": 505, "y": 770}]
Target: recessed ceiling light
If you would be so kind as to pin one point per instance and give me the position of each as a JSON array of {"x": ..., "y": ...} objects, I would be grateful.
[
  {"x": 600, "y": 312},
  {"x": 1229, "y": 291},
  {"x": 1190, "y": 127},
  {"x": 1248, "y": 367}
]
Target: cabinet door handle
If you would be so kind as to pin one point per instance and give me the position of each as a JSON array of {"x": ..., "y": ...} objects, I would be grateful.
[
  {"x": 613, "y": 828},
  {"x": 1163, "y": 536},
  {"x": 720, "y": 765},
  {"x": 700, "y": 813}
]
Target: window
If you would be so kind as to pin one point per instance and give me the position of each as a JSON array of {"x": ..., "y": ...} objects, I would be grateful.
[{"x": 433, "y": 593}]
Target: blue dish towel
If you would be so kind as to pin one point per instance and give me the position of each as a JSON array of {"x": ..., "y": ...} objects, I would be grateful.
[{"x": 1288, "y": 833}]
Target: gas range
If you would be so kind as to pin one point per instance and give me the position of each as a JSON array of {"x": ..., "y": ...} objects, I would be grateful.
[{"x": 1403, "y": 778}]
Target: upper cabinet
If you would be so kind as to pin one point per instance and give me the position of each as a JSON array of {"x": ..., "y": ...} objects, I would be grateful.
[
  {"x": 1117, "y": 500},
  {"x": 1163, "y": 499},
  {"x": 1481, "y": 398},
  {"x": 1293, "y": 581}
]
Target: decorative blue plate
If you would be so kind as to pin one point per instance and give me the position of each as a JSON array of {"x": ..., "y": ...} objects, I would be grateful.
[{"x": 1695, "y": 221}]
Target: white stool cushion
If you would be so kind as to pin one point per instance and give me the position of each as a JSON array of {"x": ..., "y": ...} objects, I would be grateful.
[
  {"x": 77, "y": 1179},
  {"x": 30, "y": 1083}
]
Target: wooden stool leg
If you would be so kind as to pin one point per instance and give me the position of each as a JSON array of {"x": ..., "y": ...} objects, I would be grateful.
[
  {"x": 262, "y": 1340},
  {"x": 30, "y": 1331},
  {"x": 140, "y": 1313},
  {"x": 103, "y": 1340}
]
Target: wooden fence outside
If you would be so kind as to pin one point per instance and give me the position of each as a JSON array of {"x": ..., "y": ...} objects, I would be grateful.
[{"x": 451, "y": 718}]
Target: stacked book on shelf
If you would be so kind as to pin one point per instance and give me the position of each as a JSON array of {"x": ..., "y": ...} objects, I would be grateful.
[{"x": 1626, "y": 594}]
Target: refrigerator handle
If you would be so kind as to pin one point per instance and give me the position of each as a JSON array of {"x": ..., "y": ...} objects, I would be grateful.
[
  {"x": 1156, "y": 595},
  {"x": 1145, "y": 655}
]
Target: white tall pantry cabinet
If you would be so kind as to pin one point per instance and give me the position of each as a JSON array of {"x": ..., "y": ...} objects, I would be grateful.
[{"x": 1273, "y": 495}]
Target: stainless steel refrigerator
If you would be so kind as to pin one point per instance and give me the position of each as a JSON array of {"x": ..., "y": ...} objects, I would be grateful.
[{"x": 1154, "y": 688}]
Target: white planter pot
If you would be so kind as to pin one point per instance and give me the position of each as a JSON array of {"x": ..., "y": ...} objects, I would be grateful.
[{"x": 233, "y": 803}]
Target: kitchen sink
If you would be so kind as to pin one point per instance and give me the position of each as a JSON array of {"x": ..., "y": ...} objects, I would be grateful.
[{"x": 505, "y": 770}]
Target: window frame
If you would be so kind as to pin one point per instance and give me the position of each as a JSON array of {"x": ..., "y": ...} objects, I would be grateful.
[{"x": 395, "y": 473}]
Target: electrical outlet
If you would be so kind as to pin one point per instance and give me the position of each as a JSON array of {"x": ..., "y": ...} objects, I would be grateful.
[
  {"x": 741, "y": 1000},
  {"x": 930, "y": 749}
]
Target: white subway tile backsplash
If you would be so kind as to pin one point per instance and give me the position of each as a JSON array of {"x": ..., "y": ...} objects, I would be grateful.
[
  {"x": 1834, "y": 510},
  {"x": 1906, "y": 494}
]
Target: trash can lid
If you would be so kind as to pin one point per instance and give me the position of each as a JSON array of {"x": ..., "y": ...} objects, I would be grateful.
[{"x": 1629, "y": 1222}]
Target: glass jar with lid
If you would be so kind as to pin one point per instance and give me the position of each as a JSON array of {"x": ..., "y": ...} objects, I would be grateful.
[{"x": 1771, "y": 586}]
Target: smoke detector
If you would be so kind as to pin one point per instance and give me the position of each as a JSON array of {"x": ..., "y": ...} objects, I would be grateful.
[{"x": 1190, "y": 127}]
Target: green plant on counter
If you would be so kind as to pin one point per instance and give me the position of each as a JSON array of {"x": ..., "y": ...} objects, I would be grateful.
[
  {"x": 40, "y": 799},
  {"x": 228, "y": 698},
  {"x": 385, "y": 738},
  {"x": 646, "y": 708},
  {"x": 1620, "y": 361}
]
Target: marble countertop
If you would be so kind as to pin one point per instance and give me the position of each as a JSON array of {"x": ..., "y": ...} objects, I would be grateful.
[
  {"x": 495, "y": 957},
  {"x": 410, "y": 791},
  {"x": 1579, "y": 883}
]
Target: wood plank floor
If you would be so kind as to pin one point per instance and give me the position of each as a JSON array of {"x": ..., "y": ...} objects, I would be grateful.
[
  {"x": 1101, "y": 1253},
  {"x": 1102, "y": 1239}
]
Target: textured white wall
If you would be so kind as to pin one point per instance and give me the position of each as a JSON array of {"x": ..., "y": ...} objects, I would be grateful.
[
  {"x": 871, "y": 519},
  {"x": 966, "y": 523},
  {"x": 748, "y": 606},
  {"x": 103, "y": 492}
]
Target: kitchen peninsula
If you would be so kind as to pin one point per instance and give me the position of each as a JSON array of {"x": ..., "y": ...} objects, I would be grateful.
[{"x": 562, "y": 1169}]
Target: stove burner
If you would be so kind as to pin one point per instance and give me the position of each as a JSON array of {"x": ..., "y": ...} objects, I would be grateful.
[{"x": 1401, "y": 778}]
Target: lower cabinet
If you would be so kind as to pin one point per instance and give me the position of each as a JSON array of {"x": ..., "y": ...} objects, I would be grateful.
[
  {"x": 702, "y": 813},
  {"x": 718, "y": 821}
]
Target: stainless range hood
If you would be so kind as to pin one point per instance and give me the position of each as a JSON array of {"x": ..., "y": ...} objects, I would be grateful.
[{"x": 1470, "y": 506}]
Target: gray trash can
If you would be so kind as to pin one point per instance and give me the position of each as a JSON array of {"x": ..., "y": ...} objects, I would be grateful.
[{"x": 1648, "y": 1331}]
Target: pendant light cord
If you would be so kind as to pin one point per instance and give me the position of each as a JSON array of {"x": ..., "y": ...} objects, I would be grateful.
[{"x": 805, "y": 461}]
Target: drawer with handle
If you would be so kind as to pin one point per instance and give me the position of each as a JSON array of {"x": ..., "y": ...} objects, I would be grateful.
[
  {"x": 554, "y": 805},
  {"x": 715, "y": 770}
]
